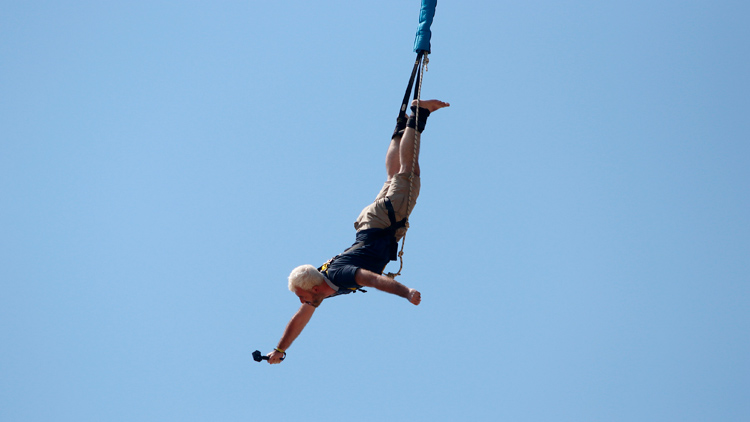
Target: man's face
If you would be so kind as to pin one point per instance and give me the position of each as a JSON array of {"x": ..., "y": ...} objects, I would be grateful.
[{"x": 311, "y": 297}]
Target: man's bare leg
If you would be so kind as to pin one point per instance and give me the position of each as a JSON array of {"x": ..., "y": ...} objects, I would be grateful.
[
  {"x": 406, "y": 152},
  {"x": 406, "y": 147},
  {"x": 392, "y": 159}
]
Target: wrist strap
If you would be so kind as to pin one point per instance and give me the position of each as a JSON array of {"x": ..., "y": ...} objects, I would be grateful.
[{"x": 279, "y": 350}]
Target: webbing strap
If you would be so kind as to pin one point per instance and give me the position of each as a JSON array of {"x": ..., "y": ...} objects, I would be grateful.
[
  {"x": 395, "y": 225},
  {"x": 405, "y": 103}
]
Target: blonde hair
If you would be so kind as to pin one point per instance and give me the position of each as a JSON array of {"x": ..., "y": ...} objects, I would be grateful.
[{"x": 305, "y": 277}]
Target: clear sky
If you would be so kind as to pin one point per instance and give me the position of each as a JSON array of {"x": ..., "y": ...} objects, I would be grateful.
[{"x": 581, "y": 242}]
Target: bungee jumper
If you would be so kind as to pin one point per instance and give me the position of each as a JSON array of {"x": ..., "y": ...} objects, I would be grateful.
[{"x": 383, "y": 223}]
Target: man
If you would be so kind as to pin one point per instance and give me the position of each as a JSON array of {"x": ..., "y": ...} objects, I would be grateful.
[{"x": 379, "y": 228}]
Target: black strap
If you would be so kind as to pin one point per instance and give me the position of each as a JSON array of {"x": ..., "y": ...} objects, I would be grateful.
[
  {"x": 405, "y": 103},
  {"x": 395, "y": 225},
  {"x": 391, "y": 230}
]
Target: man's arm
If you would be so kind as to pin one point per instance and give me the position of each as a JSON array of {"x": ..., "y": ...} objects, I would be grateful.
[
  {"x": 292, "y": 330},
  {"x": 368, "y": 278}
]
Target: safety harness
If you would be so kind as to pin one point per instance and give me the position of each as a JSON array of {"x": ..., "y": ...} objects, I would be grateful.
[{"x": 389, "y": 231}]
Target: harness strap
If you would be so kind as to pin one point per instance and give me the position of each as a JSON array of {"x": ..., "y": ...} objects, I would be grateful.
[
  {"x": 395, "y": 225},
  {"x": 405, "y": 103}
]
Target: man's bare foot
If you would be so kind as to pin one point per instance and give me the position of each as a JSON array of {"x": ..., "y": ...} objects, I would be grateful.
[{"x": 431, "y": 105}]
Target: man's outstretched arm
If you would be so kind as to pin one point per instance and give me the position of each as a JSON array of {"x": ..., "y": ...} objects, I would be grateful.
[
  {"x": 366, "y": 278},
  {"x": 292, "y": 330}
]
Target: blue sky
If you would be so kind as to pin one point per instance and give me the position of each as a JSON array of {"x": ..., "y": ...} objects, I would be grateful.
[{"x": 582, "y": 238}]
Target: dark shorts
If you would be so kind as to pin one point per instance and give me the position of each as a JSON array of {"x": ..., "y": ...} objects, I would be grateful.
[{"x": 372, "y": 251}]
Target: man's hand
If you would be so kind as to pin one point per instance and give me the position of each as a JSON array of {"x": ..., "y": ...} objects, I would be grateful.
[
  {"x": 275, "y": 357},
  {"x": 414, "y": 296}
]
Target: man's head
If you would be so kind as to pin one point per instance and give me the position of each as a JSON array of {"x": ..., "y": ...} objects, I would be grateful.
[{"x": 308, "y": 284}]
